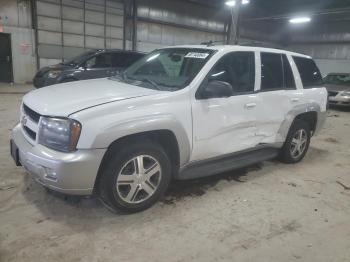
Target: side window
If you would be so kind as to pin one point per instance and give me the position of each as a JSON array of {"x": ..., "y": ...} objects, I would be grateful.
[
  {"x": 309, "y": 73},
  {"x": 119, "y": 60},
  {"x": 124, "y": 59},
  {"x": 134, "y": 57},
  {"x": 271, "y": 72},
  {"x": 99, "y": 61},
  {"x": 289, "y": 82},
  {"x": 237, "y": 69}
]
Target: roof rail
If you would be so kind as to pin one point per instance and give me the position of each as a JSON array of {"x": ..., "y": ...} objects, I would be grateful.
[
  {"x": 211, "y": 43},
  {"x": 259, "y": 44}
]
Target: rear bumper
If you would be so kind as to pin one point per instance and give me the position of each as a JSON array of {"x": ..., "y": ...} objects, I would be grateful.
[{"x": 70, "y": 173}]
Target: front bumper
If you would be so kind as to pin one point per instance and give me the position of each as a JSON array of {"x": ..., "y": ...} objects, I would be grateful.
[
  {"x": 339, "y": 100},
  {"x": 70, "y": 173}
]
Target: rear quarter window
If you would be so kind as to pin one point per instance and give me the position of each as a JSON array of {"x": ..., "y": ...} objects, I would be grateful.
[{"x": 309, "y": 73}]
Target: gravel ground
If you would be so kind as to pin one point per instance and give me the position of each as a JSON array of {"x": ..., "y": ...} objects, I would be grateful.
[{"x": 267, "y": 212}]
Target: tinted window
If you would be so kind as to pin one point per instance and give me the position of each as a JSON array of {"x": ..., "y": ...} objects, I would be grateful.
[
  {"x": 124, "y": 59},
  {"x": 338, "y": 79},
  {"x": 271, "y": 71},
  {"x": 289, "y": 82},
  {"x": 100, "y": 61},
  {"x": 309, "y": 73},
  {"x": 238, "y": 69}
]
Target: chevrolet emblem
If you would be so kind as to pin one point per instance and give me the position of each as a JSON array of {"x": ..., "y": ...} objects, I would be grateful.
[{"x": 24, "y": 120}]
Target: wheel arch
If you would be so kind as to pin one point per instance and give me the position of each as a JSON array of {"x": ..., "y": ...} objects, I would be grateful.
[
  {"x": 166, "y": 138},
  {"x": 307, "y": 112}
]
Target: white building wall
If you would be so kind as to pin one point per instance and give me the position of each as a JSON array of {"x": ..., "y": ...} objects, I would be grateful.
[{"x": 16, "y": 21}]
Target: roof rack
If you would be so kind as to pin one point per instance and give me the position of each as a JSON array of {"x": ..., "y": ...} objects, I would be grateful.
[
  {"x": 259, "y": 44},
  {"x": 211, "y": 43}
]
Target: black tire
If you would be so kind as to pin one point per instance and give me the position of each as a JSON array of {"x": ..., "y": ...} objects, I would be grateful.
[
  {"x": 286, "y": 155},
  {"x": 123, "y": 154}
]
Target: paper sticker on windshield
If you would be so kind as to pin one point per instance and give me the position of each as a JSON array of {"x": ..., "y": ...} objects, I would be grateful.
[{"x": 197, "y": 55}]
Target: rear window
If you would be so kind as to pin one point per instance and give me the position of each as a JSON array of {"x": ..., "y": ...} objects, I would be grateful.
[{"x": 309, "y": 73}]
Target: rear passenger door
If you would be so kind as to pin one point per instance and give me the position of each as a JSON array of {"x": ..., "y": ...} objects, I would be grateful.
[{"x": 277, "y": 96}]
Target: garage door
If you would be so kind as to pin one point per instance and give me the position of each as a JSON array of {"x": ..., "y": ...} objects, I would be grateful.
[
  {"x": 69, "y": 27},
  {"x": 166, "y": 22}
]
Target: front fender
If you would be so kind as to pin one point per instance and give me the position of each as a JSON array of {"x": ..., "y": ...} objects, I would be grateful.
[{"x": 116, "y": 131}]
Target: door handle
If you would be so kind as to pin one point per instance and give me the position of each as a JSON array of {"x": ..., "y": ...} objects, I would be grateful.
[
  {"x": 250, "y": 105},
  {"x": 8, "y": 58},
  {"x": 294, "y": 99}
]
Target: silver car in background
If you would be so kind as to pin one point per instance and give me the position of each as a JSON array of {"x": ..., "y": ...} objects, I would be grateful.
[{"x": 338, "y": 87}]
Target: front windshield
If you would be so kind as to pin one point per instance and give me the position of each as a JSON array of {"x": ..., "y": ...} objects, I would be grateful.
[
  {"x": 338, "y": 79},
  {"x": 168, "y": 69},
  {"x": 79, "y": 59}
]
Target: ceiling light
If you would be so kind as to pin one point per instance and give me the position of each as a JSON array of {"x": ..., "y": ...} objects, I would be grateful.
[
  {"x": 230, "y": 3},
  {"x": 299, "y": 20},
  {"x": 245, "y": 2}
]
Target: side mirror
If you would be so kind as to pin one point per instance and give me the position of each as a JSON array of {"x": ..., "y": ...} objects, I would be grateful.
[{"x": 217, "y": 89}]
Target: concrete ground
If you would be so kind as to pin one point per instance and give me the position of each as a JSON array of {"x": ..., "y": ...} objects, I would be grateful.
[
  {"x": 267, "y": 212},
  {"x": 9, "y": 89}
]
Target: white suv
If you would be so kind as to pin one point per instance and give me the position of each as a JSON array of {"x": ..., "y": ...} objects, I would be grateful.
[{"x": 179, "y": 113}]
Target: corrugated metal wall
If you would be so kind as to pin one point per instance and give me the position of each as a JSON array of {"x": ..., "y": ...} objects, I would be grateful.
[
  {"x": 66, "y": 28},
  {"x": 163, "y": 23},
  {"x": 330, "y": 57}
]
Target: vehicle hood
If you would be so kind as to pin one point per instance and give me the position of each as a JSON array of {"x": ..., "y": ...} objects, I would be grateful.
[
  {"x": 67, "y": 98},
  {"x": 46, "y": 69},
  {"x": 337, "y": 88}
]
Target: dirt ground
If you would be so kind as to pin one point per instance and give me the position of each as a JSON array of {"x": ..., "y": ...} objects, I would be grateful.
[{"x": 267, "y": 212}]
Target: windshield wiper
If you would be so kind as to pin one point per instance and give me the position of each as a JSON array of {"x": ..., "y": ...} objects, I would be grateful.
[{"x": 154, "y": 84}]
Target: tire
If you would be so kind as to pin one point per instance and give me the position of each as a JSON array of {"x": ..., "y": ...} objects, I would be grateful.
[
  {"x": 119, "y": 192},
  {"x": 289, "y": 150}
]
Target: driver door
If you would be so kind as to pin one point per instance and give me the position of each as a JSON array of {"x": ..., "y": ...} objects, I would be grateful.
[
  {"x": 228, "y": 124},
  {"x": 98, "y": 66}
]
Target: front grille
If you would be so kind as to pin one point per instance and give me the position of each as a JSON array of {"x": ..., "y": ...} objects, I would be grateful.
[
  {"x": 332, "y": 93},
  {"x": 30, "y": 132},
  {"x": 32, "y": 114}
]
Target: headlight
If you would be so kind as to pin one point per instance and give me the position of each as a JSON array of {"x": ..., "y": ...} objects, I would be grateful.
[
  {"x": 61, "y": 134},
  {"x": 345, "y": 93},
  {"x": 55, "y": 73}
]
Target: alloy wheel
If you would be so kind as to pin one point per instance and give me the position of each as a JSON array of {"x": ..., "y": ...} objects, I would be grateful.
[
  {"x": 138, "y": 179},
  {"x": 299, "y": 143}
]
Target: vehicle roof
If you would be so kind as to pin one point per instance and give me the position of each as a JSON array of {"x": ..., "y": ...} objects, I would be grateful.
[
  {"x": 117, "y": 50},
  {"x": 238, "y": 47},
  {"x": 345, "y": 74}
]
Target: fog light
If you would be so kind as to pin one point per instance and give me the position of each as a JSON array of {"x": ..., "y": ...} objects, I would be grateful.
[{"x": 50, "y": 174}]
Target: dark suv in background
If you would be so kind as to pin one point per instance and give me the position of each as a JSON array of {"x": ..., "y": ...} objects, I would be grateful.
[{"x": 88, "y": 65}]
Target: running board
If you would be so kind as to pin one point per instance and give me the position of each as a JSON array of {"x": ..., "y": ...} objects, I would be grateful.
[{"x": 226, "y": 163}]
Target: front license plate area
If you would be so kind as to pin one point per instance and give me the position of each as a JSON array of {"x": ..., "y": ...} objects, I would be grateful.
[{"x": 15, "y": 153}]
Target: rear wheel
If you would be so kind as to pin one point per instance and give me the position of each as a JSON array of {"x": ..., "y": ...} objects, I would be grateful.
[
  {"x": 135, "y": 177},
  {"x": 297, "y": 142}
]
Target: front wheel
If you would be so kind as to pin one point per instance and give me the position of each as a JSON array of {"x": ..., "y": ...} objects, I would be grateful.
[
  {"x": 136, "y": 176},
  {"x": 297, "y": 142}
]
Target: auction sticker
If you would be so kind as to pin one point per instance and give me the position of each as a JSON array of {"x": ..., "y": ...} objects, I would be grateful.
[{"x": 197, "y": 55}]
